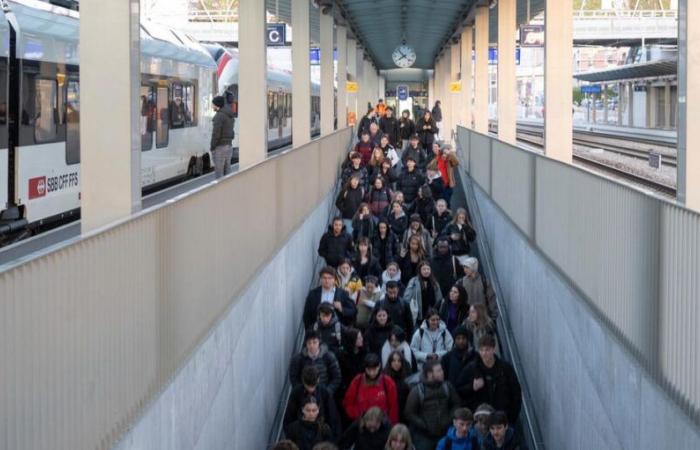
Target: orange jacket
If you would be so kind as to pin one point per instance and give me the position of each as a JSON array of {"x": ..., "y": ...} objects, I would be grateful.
[{"x": 380, "y": 109}]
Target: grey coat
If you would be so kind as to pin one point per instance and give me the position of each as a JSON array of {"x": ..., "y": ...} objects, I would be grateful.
[{"x": 222, "y": 134}]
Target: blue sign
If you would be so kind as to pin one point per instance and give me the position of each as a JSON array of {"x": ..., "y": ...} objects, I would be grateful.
[
  {"x": 276, "y": 34},
  {"x": 402, "y": 92},
  {"x": 591, "y": 89},
  {"x": 315, "y": 56},
  {"x": 493, "y": 56}
]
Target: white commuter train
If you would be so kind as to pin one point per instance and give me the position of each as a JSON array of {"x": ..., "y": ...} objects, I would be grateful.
[
  {"x": 40, "y": 110},
  {"x": 279, "y": 98}
]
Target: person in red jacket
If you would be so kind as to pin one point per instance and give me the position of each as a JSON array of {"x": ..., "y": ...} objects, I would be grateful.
[
  {"x": 372, "y": 388},
  {"x": 364, "y": 147}
]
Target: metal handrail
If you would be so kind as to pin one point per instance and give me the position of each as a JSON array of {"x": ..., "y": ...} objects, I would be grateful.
[{"x": 625, "y": 14}]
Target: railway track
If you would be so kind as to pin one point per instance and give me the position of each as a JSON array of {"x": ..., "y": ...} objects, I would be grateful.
[{"x": 535, "y": 139}]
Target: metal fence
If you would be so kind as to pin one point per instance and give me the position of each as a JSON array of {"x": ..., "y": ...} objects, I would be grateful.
[
  {"x": 92, "y": 330},
  {"x": 635, "y": 257}
]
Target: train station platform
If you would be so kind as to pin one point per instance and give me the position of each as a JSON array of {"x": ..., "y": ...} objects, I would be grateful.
[{"x": 171, "y": 324}]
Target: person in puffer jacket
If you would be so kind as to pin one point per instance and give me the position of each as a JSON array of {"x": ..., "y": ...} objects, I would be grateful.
[
  {"x": 355, "y": 168},
  {"x": 336, "y": 244},
  {"x": 317, "y": 355},
  {"x": 371, "y": 388},
  {"x": 462, "y": 435},
  {"x": 431, "y": 341},
  {"x": 410, "y": 182},
  {"x": 378, "y": 197}
]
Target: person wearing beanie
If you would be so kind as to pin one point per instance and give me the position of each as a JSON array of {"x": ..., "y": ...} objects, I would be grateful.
[
  {"x": 479, "y": 292},
  {"x": 460, "y": 356},
  {"x": 222, "y": 136},
  {"x": 372, "y": 388}
]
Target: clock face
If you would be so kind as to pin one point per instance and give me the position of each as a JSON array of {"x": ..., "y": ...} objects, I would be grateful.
[{"x": 404, "y": 56}]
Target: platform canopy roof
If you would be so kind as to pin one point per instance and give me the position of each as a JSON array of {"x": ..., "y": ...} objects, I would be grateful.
[{"x": 648, "y": 70}]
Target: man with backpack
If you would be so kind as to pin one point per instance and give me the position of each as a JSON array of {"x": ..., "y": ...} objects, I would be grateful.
[
  {"x": 329, "y": 328},
  {"x": 372, "y": 388},
  {"x": 430, "y": 407},
  {"x": 462, "y": 435}
]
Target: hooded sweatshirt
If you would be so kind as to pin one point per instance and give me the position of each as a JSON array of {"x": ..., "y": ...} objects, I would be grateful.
[
  {"x": 326, "y": 363},
  {"x": 363, "y": 395},
  {"x": 469, "y": 442},
  {"x": 430, "y": 341}
]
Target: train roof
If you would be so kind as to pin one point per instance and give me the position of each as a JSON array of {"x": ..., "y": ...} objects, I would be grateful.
[{"x": 48, "y": 32}]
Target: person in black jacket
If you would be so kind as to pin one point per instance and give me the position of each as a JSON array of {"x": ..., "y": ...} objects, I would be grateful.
[
  {"x": 461, "y": 355},
  {"x": 221, "y": 137},
  {"x": 336, "y": 243},
  {"x": 379, "y": 330},
  {"x": 317, "y": 355},
  {"x": 399, "y": 310},
  {"x": 436, "y": 114},
  {"x": 349, "y": 200},
  {"x": 390, "y": 127},
  {"x": 327, "y": 292},
  {"x": 491, "y": 380},
  {"x": 329, "y": 328},
  {"x": 440, "y": 219},
  {"x": 370, "y": 432},
  {"x": 409, "y": 183},
  {"x": 309, "y": 430},
  {"x": 365, "y": 263},
  {"x": 445, "y": 266},
  {"x": 415, "y": 151},
  {"x": 425, "y": 204},
  {"x": 460, "y": 232},
  {"x": 367, "y": 119},
  {"x": 355, "y": 168},
  {"x": 328, "y": 410},
  {"x": 426, "y": 129},
  {"x": 407, "y": 128},
  {"x": 385, "y": 244}
]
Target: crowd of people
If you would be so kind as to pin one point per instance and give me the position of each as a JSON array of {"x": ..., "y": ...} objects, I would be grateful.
[{"x": 401, "y": 348}]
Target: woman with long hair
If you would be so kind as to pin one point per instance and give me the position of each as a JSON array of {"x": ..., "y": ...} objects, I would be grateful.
[
  {"x": 410, "y": 257},
  {"x": 385, "y": 245},
  {"x": 396, "y": 368},
  {"x": 349, "y": 199},
  {"x": 370, "y": 432},
  {"x": 399, "y": 438},
  {"x": 422, "y": 292},
  {"x": 397, "y": 218},
  {"x": 365, "y": 263},
  {"x": 460, "y": 232},
  {"x": 310, "y": 429},
  {"x": 426, "y": 129},
  {"x": 455, "y": 309},
  {"x": 480, "y": 324}
]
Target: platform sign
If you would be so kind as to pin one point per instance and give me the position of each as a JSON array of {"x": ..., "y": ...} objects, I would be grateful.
[
  {"x": 402, "y": 92},
  {"x": 493, "y": 56},
  {"x": 532, "y": 35},
  {"x": 455, "y": 87},
  {"x": 351, "y": 87},
  {"x": 315, "y": 56},
  {"x": 276, "y": 36},
  {"x": 591, "y": 89}
]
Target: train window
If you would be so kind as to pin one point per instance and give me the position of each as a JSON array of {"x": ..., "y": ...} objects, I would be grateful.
[
  {"x": 148, "y": 112},
  {"x": 162, "y": 117},
  {"x": 177, "y": 107},
  {"x": 72, "y": 122},
  {"x": 45, "y": 129},
  {"x": 190, "y": 102}
]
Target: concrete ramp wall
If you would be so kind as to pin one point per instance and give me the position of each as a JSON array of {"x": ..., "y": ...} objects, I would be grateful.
[
  {"x": 588, "y": 391},
  {"x": 227, "y": 394}
]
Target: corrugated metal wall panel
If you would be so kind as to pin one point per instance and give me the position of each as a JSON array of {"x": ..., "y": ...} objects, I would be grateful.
[
  {"x": 480, "y": 160},
  {"x": 635, "y": 257},
  {"x": 513, "y": 184},
  {"x": 90, "y": 332}
]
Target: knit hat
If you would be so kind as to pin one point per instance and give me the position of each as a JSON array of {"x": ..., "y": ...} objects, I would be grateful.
[
  {"x": 219, "y": 101},
  {"x": 484, "y": 410},
  {"x": 469, "y": 261}
]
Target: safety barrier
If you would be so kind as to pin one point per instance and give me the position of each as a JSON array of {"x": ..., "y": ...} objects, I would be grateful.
[
  {"x": 635, "y": 257},
  {"x": 91, "y": 331}
]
